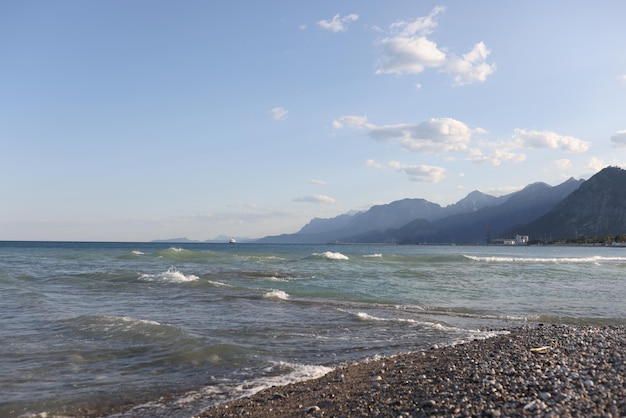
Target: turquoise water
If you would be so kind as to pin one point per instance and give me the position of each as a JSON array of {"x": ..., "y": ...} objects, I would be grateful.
[{"x": 146, "y": 329}]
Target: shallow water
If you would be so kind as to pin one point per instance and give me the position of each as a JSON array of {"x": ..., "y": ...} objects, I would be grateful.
[{"x": 98, "y": 328}]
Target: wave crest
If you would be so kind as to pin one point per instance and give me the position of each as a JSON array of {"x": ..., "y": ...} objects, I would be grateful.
[
  {"x": 329, "y": 255},
  {"x": 172, "y": 275},
  {"x": 276, "y": 294},
  {"x": 593, "y": 259}
]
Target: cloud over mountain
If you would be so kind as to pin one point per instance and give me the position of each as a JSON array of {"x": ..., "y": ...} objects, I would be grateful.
[
  {"x": 619, "y": 139},
  {"x": 436, "y": 135},
  {"x": 315, "y": 199},
  {"x": 549, "y": 139}
]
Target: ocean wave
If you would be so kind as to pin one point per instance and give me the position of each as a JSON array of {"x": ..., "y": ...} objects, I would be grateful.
[
  {"x": 170, "y": 276},
  {"x": 378, "y": 255},
  {"x": 135, "y": 252},
  {"x": 116, "y": 325},
  {"x": 177, "y": 253},
  {"x": 276, "y": 294},
  {"x": 434, "y": 325},
  {"x": 329, "y": 255},
  {"x": 594, "y": 259},
  {"x": 279, "y": 373},
  {"x": 217, "y": 284}
]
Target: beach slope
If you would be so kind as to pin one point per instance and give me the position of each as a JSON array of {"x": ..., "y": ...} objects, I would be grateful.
[{"x": 552, "y": 370}]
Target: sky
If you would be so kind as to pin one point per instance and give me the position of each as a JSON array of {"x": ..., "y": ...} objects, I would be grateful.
[{"x": 149, "y": 119}]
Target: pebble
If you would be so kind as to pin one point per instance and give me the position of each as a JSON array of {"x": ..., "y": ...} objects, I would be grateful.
[{"x": 580, "y": 371}]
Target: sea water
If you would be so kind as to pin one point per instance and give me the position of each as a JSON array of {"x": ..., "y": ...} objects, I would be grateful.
[{"x": 147, "y": 329}]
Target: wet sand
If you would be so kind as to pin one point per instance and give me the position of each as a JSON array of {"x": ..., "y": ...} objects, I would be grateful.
[{"x": 547, "y": 371}]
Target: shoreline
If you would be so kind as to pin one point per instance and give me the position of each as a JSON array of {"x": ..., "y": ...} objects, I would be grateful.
[{"x": 552, "y": 370}]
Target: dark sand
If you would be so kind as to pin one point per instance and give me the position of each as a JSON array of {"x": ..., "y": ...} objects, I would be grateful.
[{"x": 578, "y": 371}]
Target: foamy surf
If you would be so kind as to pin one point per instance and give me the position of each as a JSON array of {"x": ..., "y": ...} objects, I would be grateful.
[
  {"x": 569, "y": 260},
  {"x": 329, "y": 255},
  {"x": 276, "y": 294},
  {"x": 280, "y": 373},
  {"x": 434, "y": 325},
  {"x": 172, "y": 275}
]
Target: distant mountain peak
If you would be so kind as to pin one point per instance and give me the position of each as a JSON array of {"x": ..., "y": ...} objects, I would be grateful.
[
  {"x": 596, "y": 208},
  {"x": 472, "y": 219}
]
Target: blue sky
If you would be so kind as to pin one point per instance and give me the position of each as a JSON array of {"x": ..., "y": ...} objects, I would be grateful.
[{"x": 139, "y": 120}]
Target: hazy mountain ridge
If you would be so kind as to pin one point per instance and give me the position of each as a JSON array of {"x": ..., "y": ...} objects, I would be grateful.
[
  {"x": 484, "y": 224},
  {"x": 597, "y": 208},
  {"x": 478, "y": 217}
]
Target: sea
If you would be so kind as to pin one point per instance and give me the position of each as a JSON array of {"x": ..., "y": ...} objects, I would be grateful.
[{"x": 169, "y": 330}]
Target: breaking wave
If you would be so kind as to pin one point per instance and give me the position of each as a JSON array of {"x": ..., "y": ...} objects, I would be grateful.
[
  {"x": 582, "y": 260},
  {"x": 170, "y": 276},
  {"x": 329, "y": 255},
  {"x": 276, "y": 294}
]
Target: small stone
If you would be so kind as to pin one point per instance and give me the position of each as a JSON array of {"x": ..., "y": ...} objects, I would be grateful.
[{"x": 312, "y": 409}]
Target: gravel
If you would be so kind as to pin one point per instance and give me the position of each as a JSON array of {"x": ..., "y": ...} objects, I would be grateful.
[{"x": 538, "y": 371}]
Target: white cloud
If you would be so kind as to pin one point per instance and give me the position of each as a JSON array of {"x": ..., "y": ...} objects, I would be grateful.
[
  {"x": 548, "y": 139},
  {"x": 497, "y": 157},
  {"x": 351, "y": 121},
  {"x": 595, "y": 164},
  {"x": 481, "y": 131},
  {"x": 373, "y": 164},
  {"x": 437, "y": 135},
  {"x": 314, "y": 181},
  {"x": 561, "y": 164},
  {"x": 407, "y": 55},
  {"x": 424, "y": 173},
  {"x": 619, "y": 139},
  {"x": 622, "y": 77},
  {"x": 315, "y": 199},
  {"x": 421, "y": 25},
  {"x": 408, "y": 50},
  {"x": 338, "y": 23},
  {"x": 471, "y": 67},
  {"x": 279, "y": 113}
]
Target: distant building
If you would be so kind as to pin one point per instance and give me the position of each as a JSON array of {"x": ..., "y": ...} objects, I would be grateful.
[
  {"x": 521, "y": 239},
  {"x": 518, "y": 240}
]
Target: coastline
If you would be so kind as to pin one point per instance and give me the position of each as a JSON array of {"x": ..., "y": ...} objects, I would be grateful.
[{"x": 552, "y": 370}]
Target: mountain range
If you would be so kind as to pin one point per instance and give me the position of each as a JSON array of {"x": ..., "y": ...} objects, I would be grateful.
[
  {"x": 573, "y": 208},
  {"x": 596, "y": 209}
]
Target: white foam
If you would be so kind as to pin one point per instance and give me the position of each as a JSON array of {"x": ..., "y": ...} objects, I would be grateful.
[
  {"x": 218, "y": 284},
  {"x": 170, "y": 276},
  {"x": 137, "y": 321},
  {"x": 594, "y": 259},
  {"x": 276, "y": 294},
  {"x": 277, "y": 279},
  {"x": 379, "y": 255},
  {"x": 294, "y": 373},
  {"x": 435, "y": 325},
  {"x": 135, "y": 252},
  {"x": 110, "y": 323},
  {"x": 331, "y": 255}
]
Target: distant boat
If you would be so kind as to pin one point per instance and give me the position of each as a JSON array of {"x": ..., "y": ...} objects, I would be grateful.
[{"x": 232, "y": 241}]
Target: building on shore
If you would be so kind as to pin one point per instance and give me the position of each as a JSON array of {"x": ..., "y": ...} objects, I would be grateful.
[{"x": 518, "y": 240}]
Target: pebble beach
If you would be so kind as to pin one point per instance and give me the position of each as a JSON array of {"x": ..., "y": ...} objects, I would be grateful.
[{"x": 542, "y": 370}]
